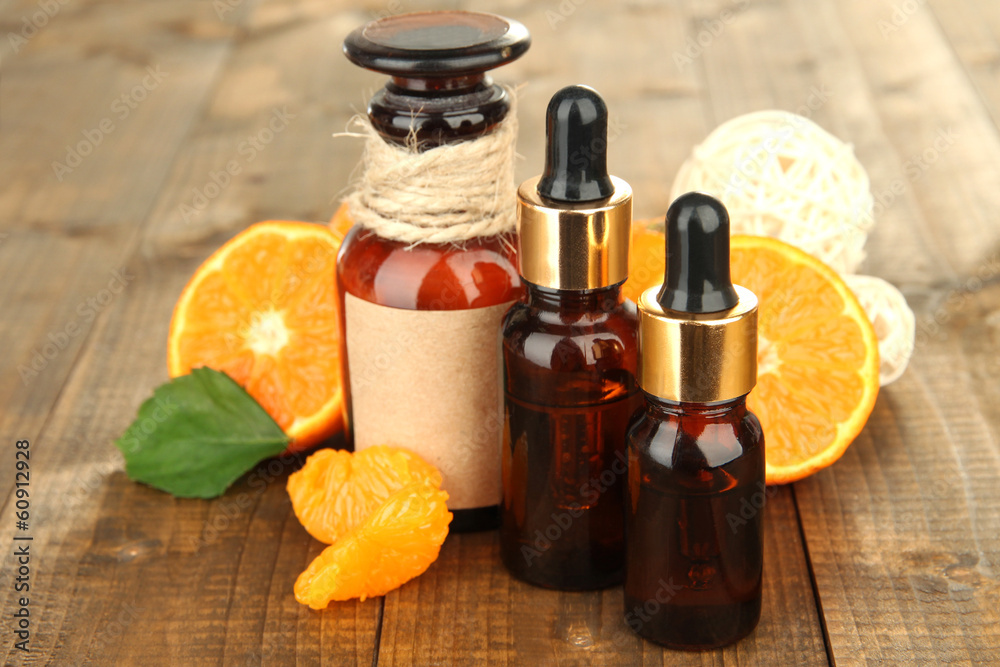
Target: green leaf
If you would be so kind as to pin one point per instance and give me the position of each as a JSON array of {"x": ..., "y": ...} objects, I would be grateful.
[{"x": 197, "y": 435}]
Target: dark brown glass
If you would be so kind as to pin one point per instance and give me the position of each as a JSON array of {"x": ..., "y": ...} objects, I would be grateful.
[
  {"x": 439, "y": 94},
  {"x": 694, "y": 507},
  {"x": 569, "y": 361}
]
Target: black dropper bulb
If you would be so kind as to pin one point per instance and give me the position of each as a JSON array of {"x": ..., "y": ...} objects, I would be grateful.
[
  {"x": 696, "y": 279},
  {"x": 576, "y": 147}
]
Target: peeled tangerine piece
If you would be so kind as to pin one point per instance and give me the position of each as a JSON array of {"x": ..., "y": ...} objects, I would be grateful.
[
  {"x": 335, "y": 491},
  {"x": 396, "y": 543}
]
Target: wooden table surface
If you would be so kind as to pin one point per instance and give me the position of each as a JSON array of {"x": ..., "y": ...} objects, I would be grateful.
[{"x": 117, "y": 117}]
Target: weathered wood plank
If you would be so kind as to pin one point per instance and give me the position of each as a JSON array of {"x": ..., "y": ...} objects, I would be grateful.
[
  {"x": 973, "y": 31},
  {"x": 937, "y": 125},
  {"x": 126, "y": 574},
  {"x": 903, "y": 536},
  {"x": 881, "y": 536},
  {"x": 468, "y": 605},
  {"x": 66, "y": 229},
  {"x": 125, "y": 92},
  {"x": 901, "y": 532},
  {"x": 808, "y": 67}
]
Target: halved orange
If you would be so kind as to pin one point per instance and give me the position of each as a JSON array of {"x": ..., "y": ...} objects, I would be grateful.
[
  {"x": 263, "y": 310},
  {"x": 647, "y": 259},
  {"x": 341, "y": 222},
  {"x": 396, "y": 543},
  {"x": 817, "y": 357},
  {"x": 336, "y": 490},
  {"x": 817, "y": 353}
]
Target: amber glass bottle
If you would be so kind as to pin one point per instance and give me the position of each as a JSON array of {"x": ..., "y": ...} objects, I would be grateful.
[
  {"x": 695, "y": 495},
  {"x": 697, "y": 472},
  {"x": 569, "y": 361},
  {"x": 402, "y": 301}
]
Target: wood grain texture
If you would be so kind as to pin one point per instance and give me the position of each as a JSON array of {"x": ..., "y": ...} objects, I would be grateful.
[
  {"x": 125, "y": 574},
  {"x": 892, "y": 556},
  {"x": 902, "y": 533},
  {"x": 938, "y": 127},
  {"x": 66, "y": 233},
  {"x": 467, "y": 605},
  {"x": 910, "y": 505},
  {"x": 973, "y": 31}
]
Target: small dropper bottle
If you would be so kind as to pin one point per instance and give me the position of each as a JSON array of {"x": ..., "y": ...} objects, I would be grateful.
[
  {"x": 569, "y": 360},
  {"x": 696, "y": 489}
]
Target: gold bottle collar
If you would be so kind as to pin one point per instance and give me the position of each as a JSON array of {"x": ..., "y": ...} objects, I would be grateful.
[
  {"x": 574, "y": 246},
  {"x": 697, "y": 358}
]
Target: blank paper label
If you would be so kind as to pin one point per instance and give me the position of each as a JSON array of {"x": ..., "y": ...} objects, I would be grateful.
[{"x": 428, "y": 380}]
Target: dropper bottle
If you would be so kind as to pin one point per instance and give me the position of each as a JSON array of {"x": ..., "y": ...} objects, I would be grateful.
[
  {"x": 694, "y": 503},
  {"x": 569, "y": 360}
]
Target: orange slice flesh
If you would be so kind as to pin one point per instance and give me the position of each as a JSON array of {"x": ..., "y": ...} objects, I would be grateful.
[
  {"x": 263, "y": 309},
  {"x": 646, "y": 262},
  {"x": 817, "y": 354},
  {"x": 341, "y": 222},
  {"x": 817, "y": 357}
]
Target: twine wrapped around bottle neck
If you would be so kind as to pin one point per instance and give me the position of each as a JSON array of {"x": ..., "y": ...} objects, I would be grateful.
[{"x": 447, "y": 194}]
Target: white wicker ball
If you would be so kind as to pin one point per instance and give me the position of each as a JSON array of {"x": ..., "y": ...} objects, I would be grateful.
[
  {"x": 895, "y": 325},
  {"x": 782, "y": 175}
]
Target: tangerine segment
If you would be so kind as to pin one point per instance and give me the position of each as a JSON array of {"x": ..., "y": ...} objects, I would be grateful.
[
  {"x": 817, "y": 357},
  {"x": 335, "y": 491},
  {"x": 263, "y": 309},
  {"x": 398, "y": 542}
]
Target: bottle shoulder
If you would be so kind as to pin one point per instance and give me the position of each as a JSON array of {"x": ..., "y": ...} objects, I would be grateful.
[
  {"x": 429, "y": 276},
  {"x": 693, "y": 444},
  {"x": 543, "y": 338},
  {"x": 526, "y": 318}
]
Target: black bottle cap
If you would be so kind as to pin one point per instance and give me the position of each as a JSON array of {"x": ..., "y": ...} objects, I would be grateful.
[
  {"x": 576, "y": 150},
  {"x": 437, "y": 44},
  {"x": 696, "y": 279},
  {"x": 440, "y": 92}
]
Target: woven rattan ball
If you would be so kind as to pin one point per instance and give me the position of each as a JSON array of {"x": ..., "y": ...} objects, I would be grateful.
[
  {"x": 782, "y": 175},
  {"x": 895, "y": 325}
]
